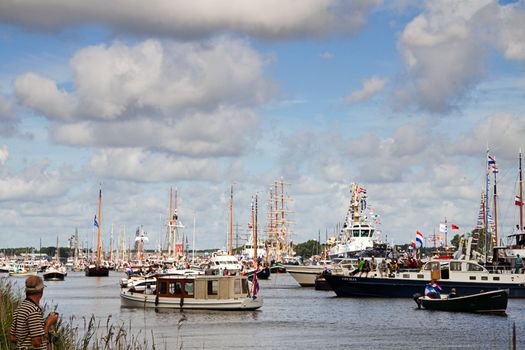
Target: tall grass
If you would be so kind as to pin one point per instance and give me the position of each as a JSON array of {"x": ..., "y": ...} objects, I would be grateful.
[{"x": 69, "y": 336}]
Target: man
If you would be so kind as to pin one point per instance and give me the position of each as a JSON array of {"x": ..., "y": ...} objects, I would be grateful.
[
  {"x": 518, "y": 264},
  {"x": 453, "y": 293},
  {"x": 29, "y": 330}
]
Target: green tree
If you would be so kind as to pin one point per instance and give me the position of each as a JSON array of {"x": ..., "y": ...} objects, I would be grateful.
[{"x": 308, "y": 248}]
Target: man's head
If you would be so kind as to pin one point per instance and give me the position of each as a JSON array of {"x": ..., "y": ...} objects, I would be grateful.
[{"x": 34, "y": 285}]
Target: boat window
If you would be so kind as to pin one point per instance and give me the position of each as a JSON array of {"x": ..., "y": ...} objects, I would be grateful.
[
  {"x": 474, "y": 267},
  {"x": 163, "y": 288},
  {"x": 420, "y": 276},
  {"x": 188, "y": 288},
  {"x": 237, "y": 286},
  {"x": 175, "y": 288},
  {"x": 484, "y": 278},
  {"x": 472, "y": 278},
  {"x": 455, "y": 266},
  {"x": 495, "y": 278},
  {"x": 213, "y": 287},
  {"x": 355, "y": 233}
]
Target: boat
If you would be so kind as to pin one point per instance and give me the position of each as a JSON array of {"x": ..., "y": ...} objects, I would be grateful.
[
  {"x": 97, "y": 268},
  {"x": 19, "y": 270},
  {"x": 467, "y": 276},
  {"x": 494, "y": 302},
  {"x": 359, "y": 235},
  {"x": 54, "y": 273},
  {"x": 306, "y": 275},
  {"x": 205, "y": 292}
]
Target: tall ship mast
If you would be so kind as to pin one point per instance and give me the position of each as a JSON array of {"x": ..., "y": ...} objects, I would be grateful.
[
  {"x": 98, "y": 269},
  {"x": 278, "y": 228}
]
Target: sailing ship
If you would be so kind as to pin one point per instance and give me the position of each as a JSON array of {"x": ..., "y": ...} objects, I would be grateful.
[
  {"x": 56, "y": 271},
  {"x": 359, "y": 233},
  {"x": 97, "y": 268},
  {"x": 278, "y": 230}
]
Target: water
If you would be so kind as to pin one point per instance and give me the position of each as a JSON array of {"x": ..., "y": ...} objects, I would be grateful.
[{"x": 291, "y": 318}]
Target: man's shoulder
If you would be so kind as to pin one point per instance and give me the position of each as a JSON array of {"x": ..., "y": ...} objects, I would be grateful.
[{"x": 28, "y": 306}]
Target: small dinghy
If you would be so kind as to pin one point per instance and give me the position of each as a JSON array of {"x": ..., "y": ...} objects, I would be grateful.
[{"x": 494, "y": 302}]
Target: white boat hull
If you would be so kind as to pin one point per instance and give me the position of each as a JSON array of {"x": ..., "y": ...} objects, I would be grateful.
[
  {"x": 305, "y": 275},
  {"x": 22, "y": 274},
  {"x": 131, "y": 299}
]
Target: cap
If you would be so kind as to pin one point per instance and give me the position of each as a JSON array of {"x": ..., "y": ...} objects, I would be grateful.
[{"x": 34, "y": 284}]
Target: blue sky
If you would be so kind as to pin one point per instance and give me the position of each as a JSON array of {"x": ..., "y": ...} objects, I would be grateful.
[{"x": 402, "y": 97}]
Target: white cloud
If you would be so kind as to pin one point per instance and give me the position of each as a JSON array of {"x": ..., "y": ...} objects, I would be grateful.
[
  {"x": 141, "y": 166},
  {"x": 445, "y": 50},
  {"x": 119, "y": 82},
  {"x": 512, "y": 32},
  {"x": 42, "y": 95},
  {"x": 223, "y": 132},
  {"x": 501, "y": 132},
  {"x": 36, "y": 182},
  {"x": 371, "y": 86},
  {"x": 270, "y": 19}
]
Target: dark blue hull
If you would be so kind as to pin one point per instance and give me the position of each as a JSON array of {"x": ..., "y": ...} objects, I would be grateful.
[{"x": 349, "y": 286}]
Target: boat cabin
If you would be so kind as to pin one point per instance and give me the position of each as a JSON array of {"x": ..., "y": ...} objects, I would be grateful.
[
  {"x": 443, "y": 269},
  {"x": 201, "y": 287}
]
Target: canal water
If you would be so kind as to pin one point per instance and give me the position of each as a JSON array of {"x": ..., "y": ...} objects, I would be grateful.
[{"x": 291, "y": 318}]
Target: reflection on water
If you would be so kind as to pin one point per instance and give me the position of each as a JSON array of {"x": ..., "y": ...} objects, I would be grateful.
[{"x": 291, "y": 318}]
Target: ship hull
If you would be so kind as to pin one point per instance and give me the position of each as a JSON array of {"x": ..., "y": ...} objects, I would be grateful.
[{"x": 347, "y": 286}]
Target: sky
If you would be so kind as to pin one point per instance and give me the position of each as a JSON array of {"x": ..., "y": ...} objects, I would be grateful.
[{"x": 402, "y": 97}]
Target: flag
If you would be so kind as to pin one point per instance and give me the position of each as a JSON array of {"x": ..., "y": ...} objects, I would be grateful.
[
  {"x": 491, "y": 160},
  {"x": 412, "y": 245},
  {"x": 517, "y": 201},
  {"x": 454, "y": 227},
  {"x": 419, "y": 238},
  {"x": 443, "y": 228},
  {"x": 255, "y": 284},
  {"x": 494, "y": 169},
  {"x": 95, "y": 222}
]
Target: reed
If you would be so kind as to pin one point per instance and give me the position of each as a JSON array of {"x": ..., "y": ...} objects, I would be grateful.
[{"x": 93, "y": 335}]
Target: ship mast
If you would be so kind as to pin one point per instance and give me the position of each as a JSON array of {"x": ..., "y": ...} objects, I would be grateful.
[
  {"x": 521, "y": 198},
  {"x": 99, "y": 246},
  {"x": 254, "y": 236},
  {"x": 495, "y": 171},
  {"x": 231, "y": 220}
]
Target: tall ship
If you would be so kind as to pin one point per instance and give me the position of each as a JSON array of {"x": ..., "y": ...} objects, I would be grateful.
[
  {"x": 97, "y": 268},
  {"x": 359, "y": 234},
  {"x": 278, "y": 230}
]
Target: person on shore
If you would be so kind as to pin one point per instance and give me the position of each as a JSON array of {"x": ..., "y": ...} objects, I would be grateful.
[
  {"x": 29, "y": 330},
  {"x": 518, "y": 264}
]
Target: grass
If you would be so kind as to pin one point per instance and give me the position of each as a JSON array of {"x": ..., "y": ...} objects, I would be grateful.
[{"x": 92, "y": 336}]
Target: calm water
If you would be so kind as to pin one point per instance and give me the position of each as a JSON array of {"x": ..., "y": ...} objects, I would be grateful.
[{"x": 291, "y": 318}]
